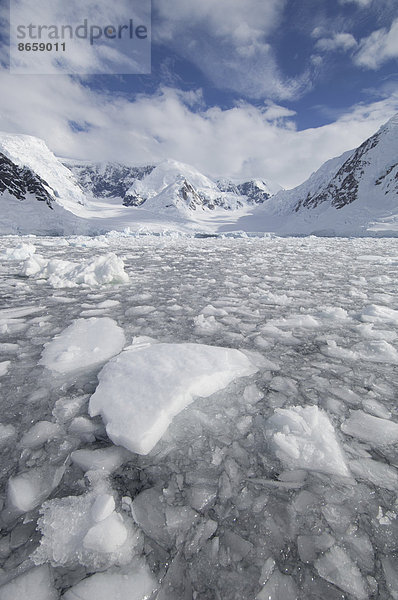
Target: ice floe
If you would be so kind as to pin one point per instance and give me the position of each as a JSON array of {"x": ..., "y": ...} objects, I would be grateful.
[
  {"x": 108, "y": 269},
  {"x": 304, "y": 438},
  {"x": 86, "y": 342},
  {"x": 142, "y": 389}
]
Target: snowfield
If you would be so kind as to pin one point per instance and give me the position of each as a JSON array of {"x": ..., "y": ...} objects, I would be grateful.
[{"x": 212, "y": 419}]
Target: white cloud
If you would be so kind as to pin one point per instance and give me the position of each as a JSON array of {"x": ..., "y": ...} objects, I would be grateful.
[
  {"x": 378, "y": 48},
  {"x": 228, "y": 41},
  {"x": 244, "y": 141},
  {"x": 361, "y": 3},
  {"x": 339, "y": 41}
]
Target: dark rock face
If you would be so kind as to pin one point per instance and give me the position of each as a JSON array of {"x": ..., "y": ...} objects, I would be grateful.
[
  {"x": 20, "y": 181},
  {"x": 110, "y": 181},
  {"x": 343, "y": 187}
]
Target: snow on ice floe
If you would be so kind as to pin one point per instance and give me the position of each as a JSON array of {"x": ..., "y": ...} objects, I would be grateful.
[
  {"x": 86, "y": 342},
  {"x": 36, "y": 583},
  {"x": 86, "y": 530},
  {"x": 107, "y": 269},
  {"x": 367, "y": 428},
  {"x": 142, "y": 389},
  {"x": 304, "y": 438},
  {"x": 134, "y": 582}
]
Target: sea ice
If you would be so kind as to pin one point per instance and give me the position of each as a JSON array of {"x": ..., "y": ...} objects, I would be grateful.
[
  {"x": 304, "y": 438},
  {"x": 279, "y": 587},
  {"x": 142, "y": 389},
  {"x": 375, "y": 431},
  {"x": 34, "y": 584},
  {"x": 86, "y": 342},
  {"x": 107, "y": 269},
  {"x": 133, "y": 583}
]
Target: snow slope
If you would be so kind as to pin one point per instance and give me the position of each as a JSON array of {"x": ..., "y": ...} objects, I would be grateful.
[
  {"x": 354, "y": 194},
  {"x": 32, "y": 152}
]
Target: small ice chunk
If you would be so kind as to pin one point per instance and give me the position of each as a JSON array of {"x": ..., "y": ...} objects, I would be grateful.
[
  {"x": 267, "y": 570},
  {"x": 29, "y": 489},
  {"x": 310, "y": 546},
  {"x": 379, "y": 314},
  {"x": 375, "y": 408},
  {"x": 337, "y": 567},
  {"x": 149, "y": 512},
  {"x": 7, "y": 433},
  {"x": 304, "y": 438},
  {"x": 107, "y": 535},
  {"x": 202, "y": 496},
  {"x": 375, "y": 431},
  {"x": 390, "y": 568},
  {"x": 134, "y": 583},
  {"x": 84, "y": 428},
  {"x": 378, "y": 351},
  {"x": 21, "y": 252},
  {"x": 206, "y": 325},
  {"x": 103, "y": 459},
  {"x": 40, "y": 433},
  {"x": 103, "y": 507},
  {"x": 142, "y": 389},
  {"x": 279, "y": 587},
  {"x": 4, "y": 367},
  {"x": 376, "y": 472},
  {"x": 37, "y": 583},
  {"x": 85, "y": 343}
]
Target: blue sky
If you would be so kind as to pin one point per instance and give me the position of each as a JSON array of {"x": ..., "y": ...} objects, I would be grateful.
[{"x": 254, "y": 88}]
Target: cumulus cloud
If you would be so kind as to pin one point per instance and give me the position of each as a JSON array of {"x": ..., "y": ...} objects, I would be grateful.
[
  {"x": 228, "y": 41},
  {"x": 339, "y": 41},
  {"x": 379, "y": 47},
  {"x": 243, "y": 141}
]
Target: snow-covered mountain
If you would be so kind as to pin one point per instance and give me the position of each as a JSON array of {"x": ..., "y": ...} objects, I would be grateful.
[
  {"x": 168, "y": 185},
  {"x": 353, "y": 194},
  {"x": 106, "y": 180},
  {"x": 32, "y": 152}
]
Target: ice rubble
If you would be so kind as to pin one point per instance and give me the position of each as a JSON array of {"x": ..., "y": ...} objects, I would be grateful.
[
  {"x": 86, "y": 530},
  {"x": 84, "y": 343},
  {"x": 304, "y": 438},
  {"x": 22, "y": 252},
  {"x": 142, "y": 389},
  {"x": 107, "y": 269}
]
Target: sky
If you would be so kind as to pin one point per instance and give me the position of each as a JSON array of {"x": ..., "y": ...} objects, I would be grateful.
[{"x": 240, "y": 89}]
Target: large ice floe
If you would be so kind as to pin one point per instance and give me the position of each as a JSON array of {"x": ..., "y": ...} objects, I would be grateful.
[{"x": 144, "y": 387}]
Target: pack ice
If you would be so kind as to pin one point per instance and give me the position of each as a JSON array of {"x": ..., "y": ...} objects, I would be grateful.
[{"x": 142, "y": 389}]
